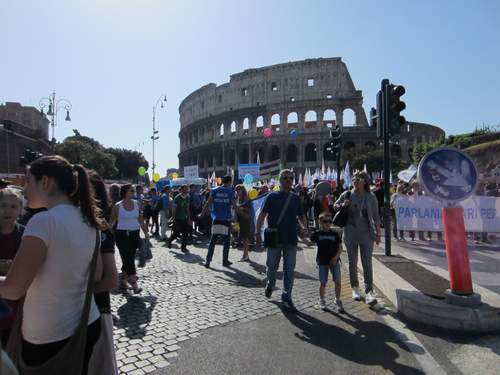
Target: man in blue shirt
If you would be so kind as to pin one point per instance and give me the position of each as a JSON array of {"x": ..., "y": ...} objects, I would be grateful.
[
  {"x": 287, "y": 235},
  {"x": 194, "y": 204},
  {"x": 153, "y": 198},
  {"x": 163, "y": 206},
  {"x": 222, "y": 201}
]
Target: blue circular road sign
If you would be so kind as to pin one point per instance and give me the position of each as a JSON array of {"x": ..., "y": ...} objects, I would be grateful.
[{"x": 448, "y": 174}]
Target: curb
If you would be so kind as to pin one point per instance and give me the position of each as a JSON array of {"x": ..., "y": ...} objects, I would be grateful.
[{"x": 420, "y": 308}]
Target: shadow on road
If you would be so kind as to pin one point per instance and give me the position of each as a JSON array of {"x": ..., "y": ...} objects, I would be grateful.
[
  {"x": 489, "y": 341},
  {"x": 261, "y": 269},
  {"x": 369, "y": 345},
  {"x": 188, "y": 257},
  {"x": 241, "y": 278},
  {"x": 135, "y": 314}
]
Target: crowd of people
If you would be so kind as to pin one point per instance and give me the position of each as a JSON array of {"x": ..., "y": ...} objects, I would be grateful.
[
  {"x": 58, "y": 236},
  {"x": 413, "y": 188}
]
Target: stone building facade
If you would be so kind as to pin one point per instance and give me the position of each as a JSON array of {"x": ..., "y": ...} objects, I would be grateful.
[
  {"x": 222, "y": 126},
  {"x": 21, "y": 128}
]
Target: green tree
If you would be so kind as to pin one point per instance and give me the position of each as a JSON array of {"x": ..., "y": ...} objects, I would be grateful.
[
  {"x": 88, "y": 152},
  {"x": 460, "y": 141},
  {"x": 127, "y": 162}
]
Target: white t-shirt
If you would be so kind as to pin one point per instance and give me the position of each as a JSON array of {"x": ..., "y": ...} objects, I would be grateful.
[
  {"x": 127, "y": 220},
  {"x": 54, "y": 300}
]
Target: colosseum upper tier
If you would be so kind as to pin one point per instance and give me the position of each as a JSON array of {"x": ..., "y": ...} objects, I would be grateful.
[{"x": 223, "y": 126}]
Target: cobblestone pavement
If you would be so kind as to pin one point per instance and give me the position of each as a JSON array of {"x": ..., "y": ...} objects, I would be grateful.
[{"x": 181, "y": 298}]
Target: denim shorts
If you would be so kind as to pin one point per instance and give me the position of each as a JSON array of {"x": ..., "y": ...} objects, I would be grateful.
[{"x": 333, "y": 268}]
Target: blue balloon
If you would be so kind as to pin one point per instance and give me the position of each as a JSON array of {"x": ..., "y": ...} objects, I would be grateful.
[
  {"x": 294, "y": 133},
  {"x": 248, "y": 179}
]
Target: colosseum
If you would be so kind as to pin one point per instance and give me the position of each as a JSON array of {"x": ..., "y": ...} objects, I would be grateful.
[{"x": 223, "y": 126}]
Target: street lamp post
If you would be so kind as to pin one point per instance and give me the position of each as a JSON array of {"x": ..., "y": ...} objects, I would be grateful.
[
  {"x": 53, "y": 107},
  {"x": 154, "y": 137}
]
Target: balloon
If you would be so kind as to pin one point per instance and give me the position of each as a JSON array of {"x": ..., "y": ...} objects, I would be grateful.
[
  {"x": 294, "y": 133},
  {"x": 268, "y": 132},
  {"x": 248, "y": 179},
  {"x": 276, "y": 188},
  {"x": 174, "y": 176},
  {"x": 142, "y": 171},
  {"x": 156, "y": 177},
  {"x": 253, "y": 194},
  {"x": 219, "y": 180},
  {"x": 248, "y": 187}
]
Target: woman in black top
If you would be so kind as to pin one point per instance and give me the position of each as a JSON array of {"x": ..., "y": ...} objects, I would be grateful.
[
  {"x": 103, "y": 360},
  {"x": 243, "y": 216}
]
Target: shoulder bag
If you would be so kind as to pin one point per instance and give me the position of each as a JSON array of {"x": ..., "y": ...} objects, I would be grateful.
[
  {"x": 271, "y": 235},
  {"x": 340, "y": 219},
  {"x": 69, "y": 360}
]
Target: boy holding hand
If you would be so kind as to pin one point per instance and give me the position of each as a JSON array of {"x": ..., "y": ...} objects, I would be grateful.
[{"x": 329, "y": 244}]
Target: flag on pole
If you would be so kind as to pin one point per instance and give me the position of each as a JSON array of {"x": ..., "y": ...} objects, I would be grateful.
[
  {"x": 407, "y": 174},
  {"x": 255, "y": 206},
  {"x": 347, "y": 176},
  {"x": 213, "y": 178}
]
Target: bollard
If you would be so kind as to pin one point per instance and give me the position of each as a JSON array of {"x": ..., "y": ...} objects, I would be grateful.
[{"x": 456, "y": 251}]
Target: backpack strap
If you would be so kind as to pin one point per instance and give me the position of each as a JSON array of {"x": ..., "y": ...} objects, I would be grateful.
[{"x": 282, "y": 213}]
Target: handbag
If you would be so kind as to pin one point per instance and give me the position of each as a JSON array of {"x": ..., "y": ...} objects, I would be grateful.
[
  {"x": 144, "y": 252},
  {"x": 271, "y": 234},
  {"x": 69, "y": 360},
  {"x": 342, "y": 215}
]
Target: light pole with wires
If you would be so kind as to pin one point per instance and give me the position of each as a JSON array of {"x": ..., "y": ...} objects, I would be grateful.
[
  {"x": 154, "y": 137},
  {"x": 53, "y": 107}
]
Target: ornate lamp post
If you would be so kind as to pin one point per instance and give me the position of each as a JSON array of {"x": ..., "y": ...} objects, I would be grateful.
[
  {"x": 154, "y": 137},
  {"x": 53, "y": 106}
]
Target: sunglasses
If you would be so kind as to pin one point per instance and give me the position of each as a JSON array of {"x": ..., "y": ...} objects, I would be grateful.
[
  {"x": 132, "y": 191},
  {"x": 329, "y": 221}
]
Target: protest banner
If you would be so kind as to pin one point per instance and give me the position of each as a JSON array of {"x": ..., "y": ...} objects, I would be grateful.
[
  {"x": 191, "y": 172},
  {"x": 481, "y": 214},
  {"x": 251, "y": 169}
]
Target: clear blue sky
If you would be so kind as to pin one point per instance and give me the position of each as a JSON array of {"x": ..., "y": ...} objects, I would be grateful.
[{"x": 113, "y": 58}]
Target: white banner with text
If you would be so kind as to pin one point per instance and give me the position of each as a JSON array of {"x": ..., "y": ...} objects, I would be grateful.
[
  {"x": 481, "y": 214},
  {"x": 191, "y": 172}
]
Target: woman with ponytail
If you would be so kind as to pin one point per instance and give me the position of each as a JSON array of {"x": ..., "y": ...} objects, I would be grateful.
[
  {"x": 103, "y": 360},
  {"x": 52, "y": 269}
]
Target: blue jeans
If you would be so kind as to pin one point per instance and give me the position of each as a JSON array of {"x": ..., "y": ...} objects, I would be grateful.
[
  {"x": 225, "y": 251},
  {"x": 324, "y": 269},
  {"x": 273, "y": 262}
]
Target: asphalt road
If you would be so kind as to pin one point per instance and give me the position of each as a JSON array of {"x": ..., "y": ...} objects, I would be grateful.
[
  {"x": 484, "y": 259},
  {"x": 308, "y": 342}
]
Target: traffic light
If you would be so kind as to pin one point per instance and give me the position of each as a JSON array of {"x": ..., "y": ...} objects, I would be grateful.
[
  {"x": 29, "y": 157},
  {"x": 335, "y": 140},
  {"x": 7, "y": 124},
  {"x": 379, "y": 121},
  {"x": 373, "y": 118},
  {"x": 394, "y": 106}
]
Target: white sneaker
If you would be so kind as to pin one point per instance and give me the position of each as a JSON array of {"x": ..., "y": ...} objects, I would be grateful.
[
  {"x": 340, "y": 306},
  {"x": 355, "y": 294},
  {"x": 370, "y": 298},
  {"x": 322, "y": 304}
]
